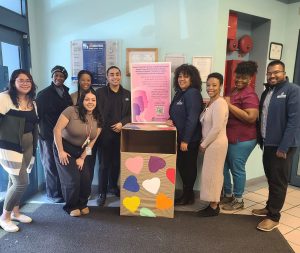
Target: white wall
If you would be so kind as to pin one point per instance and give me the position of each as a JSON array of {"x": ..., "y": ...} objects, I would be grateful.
[{"x": 191, "y": 27}]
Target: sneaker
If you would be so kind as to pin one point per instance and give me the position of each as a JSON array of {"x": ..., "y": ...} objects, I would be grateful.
[
  {"x": 233, "y": 205},
  {"x": 101, "y": 199},
  {"x": 260, "y": 212},
  {"x": 209, "y": 212},
  {"x": 9, "y": 226},
  {"x": 115, "y": 191},
  {"x": 226, "y": 200},
  {"x": 75, "y": 213},
  {"x": 267, "y": 225},
  {"x": 85, "y": 211},
  {"x": 21, "y": 218}
]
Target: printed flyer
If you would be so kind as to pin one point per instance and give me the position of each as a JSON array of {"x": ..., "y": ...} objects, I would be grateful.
[{"x": 150, "y": 92}]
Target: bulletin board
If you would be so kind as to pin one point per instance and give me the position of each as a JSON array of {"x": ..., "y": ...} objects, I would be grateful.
[{"x": 95, "y": 56}]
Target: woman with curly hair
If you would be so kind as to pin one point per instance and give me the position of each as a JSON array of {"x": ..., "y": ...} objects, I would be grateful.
[
  {"x": 185, "y": 109},
  {"x": 75, "y": 133},
  {"x": 241, "y": 132},
  {"x": 18, "y": 139}
]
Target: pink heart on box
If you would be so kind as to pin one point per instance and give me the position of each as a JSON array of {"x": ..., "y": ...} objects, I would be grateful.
[
  {"x": 134, "y": 164},
  {"x": 156, "y": 163},
  {"x": 170, "y": 173}
]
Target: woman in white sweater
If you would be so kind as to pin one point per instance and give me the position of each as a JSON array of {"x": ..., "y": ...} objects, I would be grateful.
[{"x": 214, "y": 145}]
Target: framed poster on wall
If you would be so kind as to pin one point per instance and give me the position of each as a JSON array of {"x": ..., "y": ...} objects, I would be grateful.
[
  {"x": 204, "y": 65},
  {"x": 275, "y": 52},
  {"x": 136, "y": 55},
  {"x": 176, "y": 61},
  {"x": 95, "y": 56}
]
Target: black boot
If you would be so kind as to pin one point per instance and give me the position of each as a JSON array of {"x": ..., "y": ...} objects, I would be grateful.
[
  {"x": 187, "y": 197},
  {"x": 179, "y": 200}
]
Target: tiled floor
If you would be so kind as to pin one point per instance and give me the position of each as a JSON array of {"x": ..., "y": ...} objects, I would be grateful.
[{"x": 255, "y": 197}]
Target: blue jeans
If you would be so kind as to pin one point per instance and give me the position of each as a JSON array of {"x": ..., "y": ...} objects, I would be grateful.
[{"x": 237, "y": 156}]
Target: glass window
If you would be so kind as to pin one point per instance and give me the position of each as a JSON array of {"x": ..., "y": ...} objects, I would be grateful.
[
  {"x": 10, "y": 57},
  {"x": 13, "y": 5}
]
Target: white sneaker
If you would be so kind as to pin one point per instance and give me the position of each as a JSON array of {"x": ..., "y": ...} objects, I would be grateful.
[
  {"x": 9, "y": 226},
  {"x": 21, "y": 218}
]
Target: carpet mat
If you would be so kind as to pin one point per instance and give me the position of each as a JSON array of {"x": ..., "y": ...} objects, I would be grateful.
[{"x": 103, "y": 230}]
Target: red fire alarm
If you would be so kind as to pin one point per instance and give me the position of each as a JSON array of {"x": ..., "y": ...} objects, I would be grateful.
[{"x": 245, "y": 44}]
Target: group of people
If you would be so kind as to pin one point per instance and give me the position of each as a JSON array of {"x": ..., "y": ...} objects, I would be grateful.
[
  {"x": 67, "y": 127},
  {"x": 72, "y": 129},
  {"x": 227, "y": 129}
]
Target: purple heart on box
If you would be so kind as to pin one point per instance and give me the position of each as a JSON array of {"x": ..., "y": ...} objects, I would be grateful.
[
  {"x": 131, "y": 184},
  {"x": 156, "y": 163}
]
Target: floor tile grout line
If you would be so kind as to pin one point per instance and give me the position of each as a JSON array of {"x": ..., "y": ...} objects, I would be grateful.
[{"x": 293, "y": 243}]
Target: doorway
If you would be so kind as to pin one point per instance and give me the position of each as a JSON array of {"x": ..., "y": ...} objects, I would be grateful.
[{"x": 295, "y": 174}]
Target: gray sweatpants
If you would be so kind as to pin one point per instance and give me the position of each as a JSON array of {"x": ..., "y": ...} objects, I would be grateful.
[{"x": 18, "y": 184}]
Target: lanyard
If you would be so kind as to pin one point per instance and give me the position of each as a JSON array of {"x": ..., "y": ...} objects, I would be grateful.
[{"x": 88, "y": 133}]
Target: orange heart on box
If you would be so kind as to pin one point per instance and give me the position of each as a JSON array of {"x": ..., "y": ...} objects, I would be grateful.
[{"x": 163, "y": 202}]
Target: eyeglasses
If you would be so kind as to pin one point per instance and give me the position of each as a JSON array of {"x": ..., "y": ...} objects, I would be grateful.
[
  {"x": 21, "y": 81},
  {"x": 274, "y": 73}
]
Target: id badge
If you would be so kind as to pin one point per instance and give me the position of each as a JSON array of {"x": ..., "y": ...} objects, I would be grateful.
[{"x": 88, "y": 150}]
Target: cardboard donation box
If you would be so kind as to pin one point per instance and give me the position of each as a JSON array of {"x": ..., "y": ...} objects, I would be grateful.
[{"x": 148, "y": 170}]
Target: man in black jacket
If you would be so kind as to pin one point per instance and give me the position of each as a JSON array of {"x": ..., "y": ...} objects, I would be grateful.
[
  {"x": 114, "y": 104},
  {"x": 51, "y": 101}
]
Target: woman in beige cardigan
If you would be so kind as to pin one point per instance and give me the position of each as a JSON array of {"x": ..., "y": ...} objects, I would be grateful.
[{"x": 214, "y": 145}]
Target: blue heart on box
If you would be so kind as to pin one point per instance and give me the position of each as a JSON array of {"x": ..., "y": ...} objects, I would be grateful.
[{"x": 131, "y": 184}]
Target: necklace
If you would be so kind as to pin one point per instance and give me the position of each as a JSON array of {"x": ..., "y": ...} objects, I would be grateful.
[{"x": 24, "y": 104}]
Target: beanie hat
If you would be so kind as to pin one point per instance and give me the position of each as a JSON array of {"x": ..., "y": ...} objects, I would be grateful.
[{"x": 61, "y": 69}]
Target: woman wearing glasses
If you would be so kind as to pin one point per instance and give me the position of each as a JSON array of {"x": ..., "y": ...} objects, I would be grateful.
[
  {"x": 241, "y": 132},
  {"x": 18, "y": 138}
]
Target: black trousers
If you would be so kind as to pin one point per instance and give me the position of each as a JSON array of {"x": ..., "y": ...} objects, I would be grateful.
[
  {"x": 109, "y": 169},
  {"x": 90, "y": 160},
  {"x": 75, "y": 184},
  {"x": 277, "y": 171},
  {"x": 186, "y": 164},
  {"x": 53, "y": 187}
]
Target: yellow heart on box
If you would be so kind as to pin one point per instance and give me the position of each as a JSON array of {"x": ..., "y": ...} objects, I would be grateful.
[{"x": 131, "y": 203}]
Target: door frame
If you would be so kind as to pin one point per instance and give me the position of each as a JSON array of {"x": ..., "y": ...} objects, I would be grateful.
[
  {"x": 296, "y": 78},
  {"x": 295, "y": 177}
]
